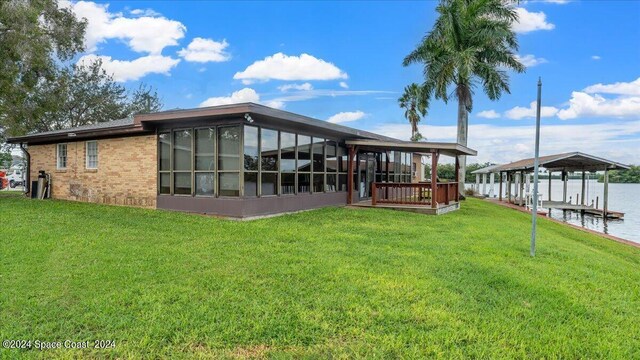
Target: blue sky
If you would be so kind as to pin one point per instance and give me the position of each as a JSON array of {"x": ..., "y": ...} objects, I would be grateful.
[{"x": 341, "y": 61}]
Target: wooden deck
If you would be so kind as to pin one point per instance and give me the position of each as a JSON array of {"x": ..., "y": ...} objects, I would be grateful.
[
  {"x": 422, "y": 209},
  {"x": 584, "y": 209}
]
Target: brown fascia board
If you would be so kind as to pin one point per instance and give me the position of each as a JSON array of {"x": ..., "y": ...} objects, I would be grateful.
[
  {"x": 128, "y": 130},
  {"x": 256, "y": 109}
]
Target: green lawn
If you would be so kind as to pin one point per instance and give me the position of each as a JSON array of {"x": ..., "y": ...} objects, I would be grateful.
[{"x": 334, "y": 282}]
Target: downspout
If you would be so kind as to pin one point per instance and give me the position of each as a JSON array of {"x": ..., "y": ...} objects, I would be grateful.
[{"x": 27, "y": 180}]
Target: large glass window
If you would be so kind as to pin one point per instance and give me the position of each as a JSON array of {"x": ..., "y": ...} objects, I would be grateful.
[
  {"x": 164, "y": 158},
  {"x": 269, "y": 149},
  {"x": 287, "y": 163},
  {"x": 251, "y": 160},
  {"x": 229, "y": 148},
  {"x": 331, "y": 166},
  {"x": 287, "y": 152},
  {"x": 182, "y": 161},
  {"x": 229, "y": 160},
  {"x": 343, "y": 166},
  {"x": 205, "y": 161},
  {"x": 269, "y": 165},
  {"x": 304, "y": 163}
]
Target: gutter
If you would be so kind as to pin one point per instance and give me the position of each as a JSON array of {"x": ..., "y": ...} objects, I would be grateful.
[{"x": 27, "y": 180}]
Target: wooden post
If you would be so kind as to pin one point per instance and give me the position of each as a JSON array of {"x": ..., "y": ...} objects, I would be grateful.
[
  {"x": 434, "y": 179},
  {"x": 605, "y": 198},
  {"x": 550, "y": 173},
  {"x": 582, "y": 193},
  {"x": 500, "y": 186},
  {"x": 565, "y": 177},
  {"x": 457, "y": 174},
  {"x": 350, "y": 164},
  {"x": 374, "y": 194},
  {"x": 509, "y": 178}
]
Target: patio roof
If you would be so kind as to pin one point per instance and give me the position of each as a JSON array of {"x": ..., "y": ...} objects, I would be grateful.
[
  {"x": 449, "y": 149},
  {"x": 574, "y": 161}
]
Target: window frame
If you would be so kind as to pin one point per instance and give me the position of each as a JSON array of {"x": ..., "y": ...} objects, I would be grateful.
[
  {"x": 66, "y": 156},
  {"x": 215, "y": 161},
  {"x": 86, "y": 153}
]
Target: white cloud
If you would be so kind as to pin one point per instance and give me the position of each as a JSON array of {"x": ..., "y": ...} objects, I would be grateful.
[
  {"x": 619, "y": 88},
  {"x": 531, "y": 60},
  {"x": 582, "y": 104},
  {"x": 520, "y": 112},
  {"x": 531, "y": 21},
  {"x": 346, "y": 116},
  {"x": 343, "y": 85},
  {"x": 240, "y": 96},
  {"x": 302, "y": 87},
  {"x": 144, "y": 12},
  {"x": 502, "y": 144},
  {"x": 595, "y": 57},
  {"x": 290, "y": 68},
  {"x": 125, "y": 70},
  {"x": 488, "y": 114},
  {"x": 146, "y": 34},
  {"x": 205, "y": 50}
]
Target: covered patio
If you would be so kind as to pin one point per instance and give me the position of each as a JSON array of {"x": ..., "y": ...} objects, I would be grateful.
[{"x": 429, "y": 196}]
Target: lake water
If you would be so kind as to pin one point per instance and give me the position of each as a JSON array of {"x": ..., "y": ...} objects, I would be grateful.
[{"x": 622, "y": 197}]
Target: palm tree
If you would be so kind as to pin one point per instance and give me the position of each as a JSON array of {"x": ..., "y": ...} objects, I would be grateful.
[
  {"x": 471, "y": 43},
  {"x": 414, "y": 106}
]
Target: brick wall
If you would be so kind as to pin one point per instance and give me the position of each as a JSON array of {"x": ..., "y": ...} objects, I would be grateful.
[{"x": 126, "y": 173}]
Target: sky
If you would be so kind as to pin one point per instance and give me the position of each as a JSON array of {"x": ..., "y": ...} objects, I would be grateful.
[{"x": 342, "y": 62}]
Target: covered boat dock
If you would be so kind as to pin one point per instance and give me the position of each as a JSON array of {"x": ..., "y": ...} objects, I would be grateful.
[{"x": 575, "y": 162}]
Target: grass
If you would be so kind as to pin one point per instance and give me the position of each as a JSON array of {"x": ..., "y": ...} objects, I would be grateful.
[{"x": 333, "y": 282}]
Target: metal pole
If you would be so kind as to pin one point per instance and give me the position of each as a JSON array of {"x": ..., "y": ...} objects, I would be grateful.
[
  {"x": 605, "y": 197},
  {"x": 536, "y": 160}
]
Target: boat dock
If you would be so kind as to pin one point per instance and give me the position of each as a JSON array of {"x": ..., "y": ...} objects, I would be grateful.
[{"x": 584, "y": 209}]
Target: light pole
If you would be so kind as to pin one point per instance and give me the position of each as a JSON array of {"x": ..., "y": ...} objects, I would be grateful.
[{"x": 534, "y": 212}]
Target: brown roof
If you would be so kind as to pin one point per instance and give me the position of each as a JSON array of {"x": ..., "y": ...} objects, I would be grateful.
[{"x": 573, "y": 161}]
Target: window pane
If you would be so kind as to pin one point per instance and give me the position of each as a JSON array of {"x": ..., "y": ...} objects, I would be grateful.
[
  {"x": 229, "y": 184},
  {"x": 343, "y": 155},
  {"x": 269, "y": 183},
  {"x": 204, "y": 184},
  {"x": 269, "y": 150},
  {"x": 182, "y": 150},
  {"x": 288, "y": 185},
  {"x": 62, "y": 156},
  {"x": 332, "y": 161},
  {"x": 251, "y": 148},
  {"x": 304, "y": 183},
  {"x": 229, "y": 148},
  {"x": 165, "y": 151},
  {"x": 304, "y": 153},
  {"x": 342, "y": 182},
  {"x": 92, "y": 154},
  {"x": 250, "y": 184},
  {"x": 287, "y": 152},
  {"x": 182, "y": 183},
  {"x": 165, "y": 187},
  {"x": 331, "y": 183},
  {"x": 318, "y": 182},
  {"x": 205, "y": 147},
  {"x": 318, "y": 155}
]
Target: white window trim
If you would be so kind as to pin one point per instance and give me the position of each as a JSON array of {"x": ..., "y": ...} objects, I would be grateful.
[
  {"x": 58, "y": 167},
  {"x": 86, "y": 158}
]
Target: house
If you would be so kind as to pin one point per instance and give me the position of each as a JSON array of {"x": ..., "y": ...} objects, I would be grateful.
[{"x": 239, "y": 160}]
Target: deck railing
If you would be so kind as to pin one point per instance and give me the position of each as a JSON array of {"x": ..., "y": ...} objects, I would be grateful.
[{"x": 413, "y": 193}]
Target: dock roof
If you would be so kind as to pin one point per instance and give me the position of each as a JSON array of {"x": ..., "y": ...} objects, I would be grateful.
[{"x": 573, "y": 161}]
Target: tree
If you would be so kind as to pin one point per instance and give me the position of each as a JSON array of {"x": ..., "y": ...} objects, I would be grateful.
[
  {"x": 144, "y": 100},
  {"x": 415, "y": 106},
  {"x": 632, "y": 175},
  {"x": 471, "y": 43},
  {"x": 35, "y": 36}
]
